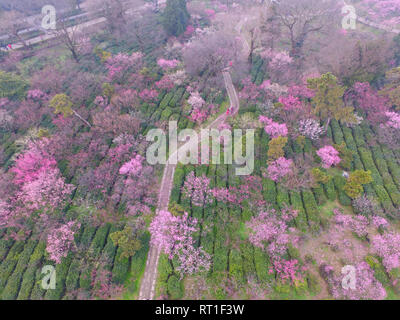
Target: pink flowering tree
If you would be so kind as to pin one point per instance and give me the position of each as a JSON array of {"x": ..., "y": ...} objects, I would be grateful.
[
  {"x": 174, "y": 235},
  {"x": 366, "y": 285},
  {"x": 60, "y": 241},
  {"x": 270, "y": 231},
  {"x": 165, "y": 83},
  {"x": 279, "y": 168},
  {"x": 393, "y": 120},
  {"x": 387, "y": 246},
  {"x": 369, "y": 101},
  {"x": 120, "y": 66},
  {"x": 197, "y": 189},
  {"x": 329, "y": 156},
  {"x": 310, "y": 128},
  {"x": 47, "y": 192},
  {"x": 137, "y": 189},
  {"x": 167, "y": 64},
  {"x": 274, "y": 129},
  {"x": 357, "y": 224},
  {"x": 196, "y": 101},
  {"x": 133, "y": 167},
  {"x": 148, "y": 95},
  {"x": 290, "y": 103},
  {"x": 32, "y": 162}
]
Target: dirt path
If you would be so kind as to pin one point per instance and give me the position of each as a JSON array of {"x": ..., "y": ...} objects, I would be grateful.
[{"x": 148, "y": 283}]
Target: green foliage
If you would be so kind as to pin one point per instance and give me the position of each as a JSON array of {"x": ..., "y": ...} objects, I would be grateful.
[
  {"x": 328, "y": 99},
  {"x": 175, "y": 17},
  {"x": 353, "y": 186},
  {"x": 275, "y": 148},
  {"x": 61, "y": 103},
  {"x": 12, "y": 86},
  {"x": 346, "y": 155},
  {"x": 320, "y": 176},
  {"x": 127, "y": 241}
]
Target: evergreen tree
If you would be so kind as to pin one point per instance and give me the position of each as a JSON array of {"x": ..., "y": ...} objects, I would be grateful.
[{"x": 175, "y": 17}]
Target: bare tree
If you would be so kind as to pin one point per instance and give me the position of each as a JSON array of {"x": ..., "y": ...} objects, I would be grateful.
[
  {"x": 210, "y": 53},
  {"x": 72, "y": 37},
  {"x": 11, "y": 23},
  {"x": 113, "y": 10},
  {"x": 301, "y": 18}
]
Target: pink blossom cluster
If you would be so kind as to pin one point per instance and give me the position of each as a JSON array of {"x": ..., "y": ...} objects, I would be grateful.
[
  {"x": 60, "y": 241},
  {"x": 35, "y": 94},
  {"x": 47, "y": 191},
  {"x": 148, "y": 95},
  {"x": 287, "y": 270},
  {"x": 34, "y": 161},
  {"x": 121, "y": 63},
  {"x": 270, "y": 231},
  {"x": 210, "y": 13},
  {"x": 167, "y": 64},
  {"x": 310, "y": 128},
  {"x": 277, "y": 59},
  {"x": 198, "y": 115},
  {"x": 133, "y": 167},
  {"x": 165, "y": 83},
  {"x": 250, "y": 91},
  {"x": 174, "y": 235},
  {"x": 274, "y": 129},
  {"x": 301, "y": 91},
  {"x": 100, "y": 101},
  {"x": 290, "y": 102},
  {"x": 5, "y": 213},
  {"x": 329, "y": 156},
  {"x": 387, "y": 246},
  {"x": 358, "y": 224},
  {"x": 366, "y": 285},
  {"x": 279, "y": 168},
  {"x": 393, "y": 120},
  {"x": 196, "y": 101},
  {"x": 189, "y": 31},
  {"x": 368, "y": 100},
  {"x": 197, "y": 189}
]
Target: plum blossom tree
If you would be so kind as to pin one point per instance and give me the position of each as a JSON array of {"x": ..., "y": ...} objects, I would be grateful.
[
  {"x": 271, "y": 232},
  {"x": 274, "y": 129},
  {"x": 369, "y": 101},
  {"x": 329, "y": 156},
  {"x": 122, "y": 65},
  {"x": 310, "y": 128},
  {"x": 279, "y": 168},
  {"x": 367, "y": 287},
  {"x": 174, "y": 234},
  {"x": 47, "y": 192},
  {"x": 167, "y": 64},
  {"x": 393, "y": 120},
  {"x": 133, "y": 167},
  {"x": 197, "y": 189},
  {"x": 60, "y": 241},
  {"x": 387, "y": 247},
  {"x": 32, "y": 162}
]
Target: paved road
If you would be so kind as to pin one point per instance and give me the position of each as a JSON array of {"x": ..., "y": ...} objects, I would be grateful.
[
  {"x": 52, "y": 35},
  {"x": 148, "y": 284}
]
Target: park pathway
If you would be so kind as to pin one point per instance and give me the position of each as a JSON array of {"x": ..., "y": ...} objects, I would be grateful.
[{"x": 148, "y": 283}]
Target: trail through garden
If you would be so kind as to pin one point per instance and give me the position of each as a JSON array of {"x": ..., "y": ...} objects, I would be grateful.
[{"x": 148, "y": 283}]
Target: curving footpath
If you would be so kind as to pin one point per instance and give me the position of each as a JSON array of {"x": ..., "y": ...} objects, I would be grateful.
[{"x": 148, "y": 283}]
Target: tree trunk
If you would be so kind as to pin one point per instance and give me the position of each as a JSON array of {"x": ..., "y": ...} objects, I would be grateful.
[
  {"x": 327, "y": 124},
  {"x": 83, "y": 120}
]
